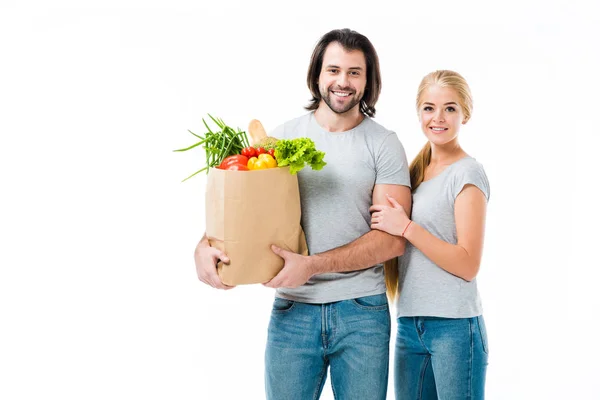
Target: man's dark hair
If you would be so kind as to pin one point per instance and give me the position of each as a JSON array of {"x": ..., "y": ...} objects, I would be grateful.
[{"x": 349, "y": 40}]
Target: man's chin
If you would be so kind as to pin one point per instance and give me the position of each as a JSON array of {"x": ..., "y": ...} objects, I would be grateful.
[{"x": 341, "y": 109}]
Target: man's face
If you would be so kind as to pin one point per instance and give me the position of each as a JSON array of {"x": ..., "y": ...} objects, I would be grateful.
[{"x": 343, "y": 78}]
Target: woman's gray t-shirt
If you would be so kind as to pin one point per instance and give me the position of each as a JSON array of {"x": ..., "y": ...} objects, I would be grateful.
[{"x": 425, "y": 288}]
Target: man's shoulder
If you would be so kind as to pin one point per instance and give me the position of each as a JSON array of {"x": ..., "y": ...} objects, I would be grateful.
[
  {"x": 291, "y": 128},
  {"x": 375, "y": 129}
]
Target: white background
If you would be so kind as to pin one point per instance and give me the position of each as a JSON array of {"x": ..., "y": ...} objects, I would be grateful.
[{"x": 98, "y": 294}]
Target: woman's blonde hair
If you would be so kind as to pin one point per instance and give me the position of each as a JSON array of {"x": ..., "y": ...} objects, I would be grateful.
[{"x": 445, "y": 79}]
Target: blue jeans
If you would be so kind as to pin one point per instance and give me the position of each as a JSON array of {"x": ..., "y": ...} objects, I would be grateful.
[
  {"x": 351, "y": 337},
  {"x": 440, "y": 358}
]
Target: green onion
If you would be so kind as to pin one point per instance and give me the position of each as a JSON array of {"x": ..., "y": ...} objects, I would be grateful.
[{"x": 218, "y": 144}]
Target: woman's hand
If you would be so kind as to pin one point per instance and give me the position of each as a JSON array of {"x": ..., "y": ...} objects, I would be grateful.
[{"x": 391, "y": 219}]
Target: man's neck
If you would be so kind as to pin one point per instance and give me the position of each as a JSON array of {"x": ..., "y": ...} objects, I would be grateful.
[{"x": 334, "y": 122}]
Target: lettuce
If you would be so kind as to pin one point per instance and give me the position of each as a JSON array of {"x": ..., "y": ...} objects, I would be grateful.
[{"x": 297, "y": 153}]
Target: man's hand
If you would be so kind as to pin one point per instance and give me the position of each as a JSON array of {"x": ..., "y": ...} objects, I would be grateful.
[
  {"x": 206, "y": 259},
  {"x": 297, "y": 270}
]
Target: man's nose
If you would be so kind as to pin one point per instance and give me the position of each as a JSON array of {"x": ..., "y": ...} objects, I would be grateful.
[{"x": 343, "y": 80}]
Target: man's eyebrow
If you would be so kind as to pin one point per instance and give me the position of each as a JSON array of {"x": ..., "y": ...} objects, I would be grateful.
[{"x": 336, "y": 66}]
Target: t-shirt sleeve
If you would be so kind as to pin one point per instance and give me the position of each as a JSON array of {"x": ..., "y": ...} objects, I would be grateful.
[
  {"x": 391, "y": 163},
  {"x": 471, "y": 174}
]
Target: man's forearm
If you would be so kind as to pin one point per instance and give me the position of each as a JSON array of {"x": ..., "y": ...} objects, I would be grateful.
[{"x": 372, "y": 248}]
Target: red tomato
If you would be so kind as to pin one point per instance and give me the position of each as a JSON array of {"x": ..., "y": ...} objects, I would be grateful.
[
  {"x": 249, "y": 152},
  {"x": 236, "y": 167},
  {"x": 260, "y": 150},
  {"x": 235, "y": 159},
  {"x": 272, "y": 153}
]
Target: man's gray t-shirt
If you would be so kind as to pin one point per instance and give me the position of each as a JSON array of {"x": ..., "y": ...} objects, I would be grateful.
[
  {"x": 425, "y": 288},
  {"x": 335, "y": 200}
]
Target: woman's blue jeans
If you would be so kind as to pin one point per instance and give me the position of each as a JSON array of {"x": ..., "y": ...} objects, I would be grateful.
[
  {"x": 440, "y": 358},
  {"x": 351, "y": 337}
]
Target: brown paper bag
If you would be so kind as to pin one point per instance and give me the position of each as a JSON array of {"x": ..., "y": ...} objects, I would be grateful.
[{"x": 247, "y": 212}]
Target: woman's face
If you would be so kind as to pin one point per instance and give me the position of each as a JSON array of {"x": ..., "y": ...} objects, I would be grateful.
[{"x": 440, "y": 114}]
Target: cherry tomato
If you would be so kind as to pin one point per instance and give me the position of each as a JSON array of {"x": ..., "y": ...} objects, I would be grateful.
[
  {"x": 260, "y": 150},
  {"x": 272, "y": 153},
  {"x": 251, "y": 162},
  {"x": 268, "y": 160},
  {"x": 235, "y": 159},
  {"x": 236, "y": 167},
  {"x": 249, "y": 152}
]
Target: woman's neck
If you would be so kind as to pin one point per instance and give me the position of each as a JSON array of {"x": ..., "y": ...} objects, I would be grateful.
[{"x": 447, "y": 153}]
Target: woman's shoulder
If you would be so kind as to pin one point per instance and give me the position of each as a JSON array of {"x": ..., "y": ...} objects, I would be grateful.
[
  {"x": 467, "y": 164},
  {"x": 469, "y": 170}
]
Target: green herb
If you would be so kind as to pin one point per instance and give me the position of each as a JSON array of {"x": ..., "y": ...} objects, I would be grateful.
[
  {"x": 297, "y": 153},
  {"x": 218, "y": 144},
  {"x": 266, "y": 143}
]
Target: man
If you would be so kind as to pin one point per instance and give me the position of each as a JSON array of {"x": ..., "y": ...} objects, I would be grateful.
[{"x": 330, "y": 308}]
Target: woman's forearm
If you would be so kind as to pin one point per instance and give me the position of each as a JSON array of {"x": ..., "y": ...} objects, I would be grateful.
[{"x": 450, "y": 257}]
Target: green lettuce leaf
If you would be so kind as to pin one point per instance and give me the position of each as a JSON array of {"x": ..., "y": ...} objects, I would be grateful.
[{"x": 297, "y": 153}]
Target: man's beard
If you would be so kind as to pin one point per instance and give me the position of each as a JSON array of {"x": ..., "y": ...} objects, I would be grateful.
[{"x": 340, "y": 109}]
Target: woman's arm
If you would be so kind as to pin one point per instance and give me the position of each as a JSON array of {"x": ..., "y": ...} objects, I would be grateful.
[{"x": 463, "y": 258}]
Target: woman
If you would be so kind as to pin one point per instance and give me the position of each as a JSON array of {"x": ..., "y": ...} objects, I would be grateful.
[{"x": 441, "y": 347}]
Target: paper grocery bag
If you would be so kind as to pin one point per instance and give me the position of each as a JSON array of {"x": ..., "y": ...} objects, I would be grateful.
[{"x": 247, "y": 212}]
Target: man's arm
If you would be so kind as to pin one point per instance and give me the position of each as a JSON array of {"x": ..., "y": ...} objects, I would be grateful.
[{"x": 371, "y": 248}]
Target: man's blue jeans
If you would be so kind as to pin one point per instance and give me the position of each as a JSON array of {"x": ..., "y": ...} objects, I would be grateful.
[
  {"x": 440, "y": 358},
  {"x": 351, "y": 336}
]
